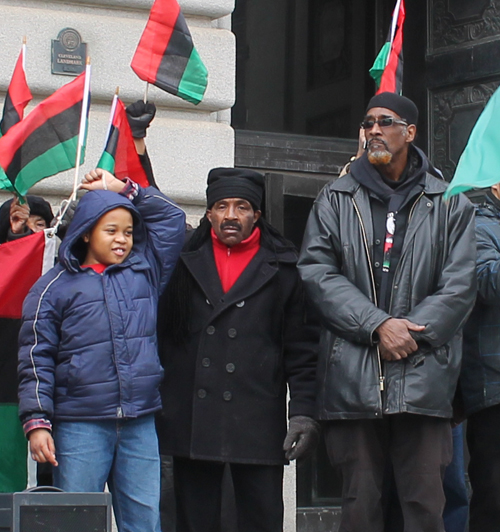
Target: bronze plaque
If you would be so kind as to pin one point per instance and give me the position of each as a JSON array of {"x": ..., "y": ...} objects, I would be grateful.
[{"x": 69, "y": 53}]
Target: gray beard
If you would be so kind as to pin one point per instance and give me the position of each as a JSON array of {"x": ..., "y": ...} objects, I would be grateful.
[{"x": 379, "y": 157}]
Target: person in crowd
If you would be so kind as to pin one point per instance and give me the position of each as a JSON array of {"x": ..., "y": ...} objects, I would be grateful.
[
  {"x": 234, "y": 333},
  {"x": 389, "y": 266},
  {"x": 88, "y": 364},
  {"x": 480, "y": 376}
]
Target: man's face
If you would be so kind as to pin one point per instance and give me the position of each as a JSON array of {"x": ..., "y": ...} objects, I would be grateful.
[
  {"x": 36, "y": 223},
  {"x": 385, "y": 143},
  {"x": 110, "y": 240},
  {"x": 232, "y": 220}
]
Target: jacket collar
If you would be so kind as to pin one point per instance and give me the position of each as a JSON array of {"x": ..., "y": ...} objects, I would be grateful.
[{"x": 201, "y": 264}]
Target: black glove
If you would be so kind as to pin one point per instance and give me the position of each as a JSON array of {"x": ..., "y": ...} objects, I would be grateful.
[
  {"x": 140, "y": 115},
  {"x": 66, "y": 219},
  {"x": 301, "y": 438}
]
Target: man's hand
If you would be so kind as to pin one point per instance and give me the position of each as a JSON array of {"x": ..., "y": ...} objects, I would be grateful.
[
  {"x": 301, "y": 438},
  {"x": 396, "y": 341},
  {"x": 42, "y": 446},
  {"x": 19, "y": 215},
  {"x": 100, "y": 179}
]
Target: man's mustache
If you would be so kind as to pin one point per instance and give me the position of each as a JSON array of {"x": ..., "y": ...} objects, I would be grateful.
[
  {"x": 378, "y": 141},
  {"x": 234, "y": 225}
]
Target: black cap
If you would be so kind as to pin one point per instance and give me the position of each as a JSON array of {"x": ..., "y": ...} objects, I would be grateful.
[
  {"x": 401, "y": 105},
  {"x": 235, "y": 183},
  {"x": 37, "y": 205}
]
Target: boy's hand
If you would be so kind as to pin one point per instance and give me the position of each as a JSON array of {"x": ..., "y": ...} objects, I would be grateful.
[
  {"x": 100, "y": 179},
  {"x": 42, "y": 446},
  {"x": 19, "y": 215}
]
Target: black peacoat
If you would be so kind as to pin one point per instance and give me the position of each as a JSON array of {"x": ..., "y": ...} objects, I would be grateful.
[{"x": 225, "y": 389}]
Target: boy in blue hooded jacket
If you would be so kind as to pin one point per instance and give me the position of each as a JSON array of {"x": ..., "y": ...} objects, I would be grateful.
[{"x": 88, "y": 364}]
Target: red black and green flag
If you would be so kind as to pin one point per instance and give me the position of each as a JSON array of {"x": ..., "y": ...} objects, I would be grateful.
[
  {"x": 387, "y": 69},
  {"x": 18, "y": 96},
  {"x": 23, "y": 261},
  {"x": 120, "y": 156},
  {"x": 166, "y": 56},
  {"x": 46, "y": 141}
]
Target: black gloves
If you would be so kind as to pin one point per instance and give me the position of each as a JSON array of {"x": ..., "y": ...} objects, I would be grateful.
[
  {"x": 140, "y": 115},
  {"x": 302, "y": 437}
]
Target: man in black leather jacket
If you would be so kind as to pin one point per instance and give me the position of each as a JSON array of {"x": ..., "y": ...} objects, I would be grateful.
[{"x": 390, "y": 267}]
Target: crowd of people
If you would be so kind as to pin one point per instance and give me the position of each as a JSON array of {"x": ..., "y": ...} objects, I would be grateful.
[{"x": 224, "y": 351}]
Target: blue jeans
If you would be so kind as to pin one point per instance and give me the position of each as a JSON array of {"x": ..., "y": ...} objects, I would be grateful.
[
  {"x": 456, "y": 510},
  {"x": 123, "y": 453}
]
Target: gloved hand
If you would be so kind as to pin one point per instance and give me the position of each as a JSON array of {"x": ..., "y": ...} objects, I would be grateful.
[
  {"x": 140, "y": 115},
  {"x": 301, "y": 438}
]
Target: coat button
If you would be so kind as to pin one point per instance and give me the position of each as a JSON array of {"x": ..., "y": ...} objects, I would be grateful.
[
  {"x": 232, "y": 333},
  {"x": 227, "y": 396},
  {"x": 377, "y": 264},
  {"x": 429, "y": 204},
  {"x": 230, "y": 367},
  {"x": 210, "y": 329},
  {"x": 377, "y": 241},
  {"x": 202, "y": 394},
  {"x": 240, "y": 304},
  {"x": 205, "y": 362}
]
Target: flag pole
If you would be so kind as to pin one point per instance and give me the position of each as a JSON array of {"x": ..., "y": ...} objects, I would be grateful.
[
  {"x": 146, "y": 91},
  {"x": 111, "y": 116},
  {"x": 394, "y": 23},
  {"x": 83, "y": 127},
  {"x": 24, "y": 53}
]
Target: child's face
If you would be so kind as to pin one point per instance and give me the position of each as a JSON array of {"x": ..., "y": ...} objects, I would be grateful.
[{"x": 110, "y": 240}]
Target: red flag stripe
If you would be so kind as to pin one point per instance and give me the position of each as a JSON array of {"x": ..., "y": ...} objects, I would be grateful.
[
  {"x": 64, "y": 98},
  {"x": 127, "y": 163},
  {"x": 19, "y": 91},
  {"x": 22, "y": 262},
  {"x": 155, "y": 38}
]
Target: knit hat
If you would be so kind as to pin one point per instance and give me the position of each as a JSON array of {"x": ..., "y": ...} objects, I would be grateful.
[
  {"x": 38, "y": 206},
  {"x": 235, "y": 183},
  {"x": 401, "y": 105}
]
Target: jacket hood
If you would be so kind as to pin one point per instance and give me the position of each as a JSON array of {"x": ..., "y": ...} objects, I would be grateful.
[{"x": 91, "y": 207}]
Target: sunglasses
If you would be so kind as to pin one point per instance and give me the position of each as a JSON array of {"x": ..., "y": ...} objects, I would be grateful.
[{"x": 385, "y": 121}]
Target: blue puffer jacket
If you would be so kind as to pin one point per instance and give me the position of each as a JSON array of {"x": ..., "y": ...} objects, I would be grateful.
[
  {"x": 87, "y": 346},
  {"x": 480, "y": 375}
]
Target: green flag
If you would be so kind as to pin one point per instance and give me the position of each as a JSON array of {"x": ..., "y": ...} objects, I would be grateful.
[
  {"x": 380, "y": 63},
  {"x": 479, "y": 164}
]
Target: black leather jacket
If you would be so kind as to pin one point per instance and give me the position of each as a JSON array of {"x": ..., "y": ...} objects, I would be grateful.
[{"x": 434, "y": 285}]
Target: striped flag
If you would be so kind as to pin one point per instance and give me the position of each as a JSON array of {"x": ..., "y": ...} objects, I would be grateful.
[
  {"x": 23, "y": 262},
  {"x": 387, "y": 69},
  {"x": 18, "y": 95},
  {"x": 120, "y": 156},
  {"x": 166, "y": 56},
  {"x": 46, "y": 141}
]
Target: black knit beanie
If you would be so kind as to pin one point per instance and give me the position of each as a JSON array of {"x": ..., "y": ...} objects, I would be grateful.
[
  {"x": 38, "y": 206},
  {"x": 235, "y": 183},
  {"x": 401, "y": 105}
]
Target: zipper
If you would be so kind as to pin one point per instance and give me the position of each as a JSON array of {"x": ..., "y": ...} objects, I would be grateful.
[
  {"x": 412, "y": 210},
  {"x": 381, "y": 377}
]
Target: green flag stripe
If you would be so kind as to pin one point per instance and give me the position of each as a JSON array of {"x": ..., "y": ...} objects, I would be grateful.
[
  {"x": 57, "y": 159},
  {"x": 13, "y": 451},
  {"x": 107, "y": 162},
  {"x": 5, "y": 182},
  {"x": 478, "y": 165},
  {"x": 194, "y": 79},
  {"x": 380, "y": 63}
]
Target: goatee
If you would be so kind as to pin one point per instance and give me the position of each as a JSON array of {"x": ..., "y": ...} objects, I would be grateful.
[{"x": 379, "y": 157}]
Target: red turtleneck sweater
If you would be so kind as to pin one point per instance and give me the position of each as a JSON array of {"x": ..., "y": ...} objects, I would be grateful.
[{"x": 231, "y": 261}]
